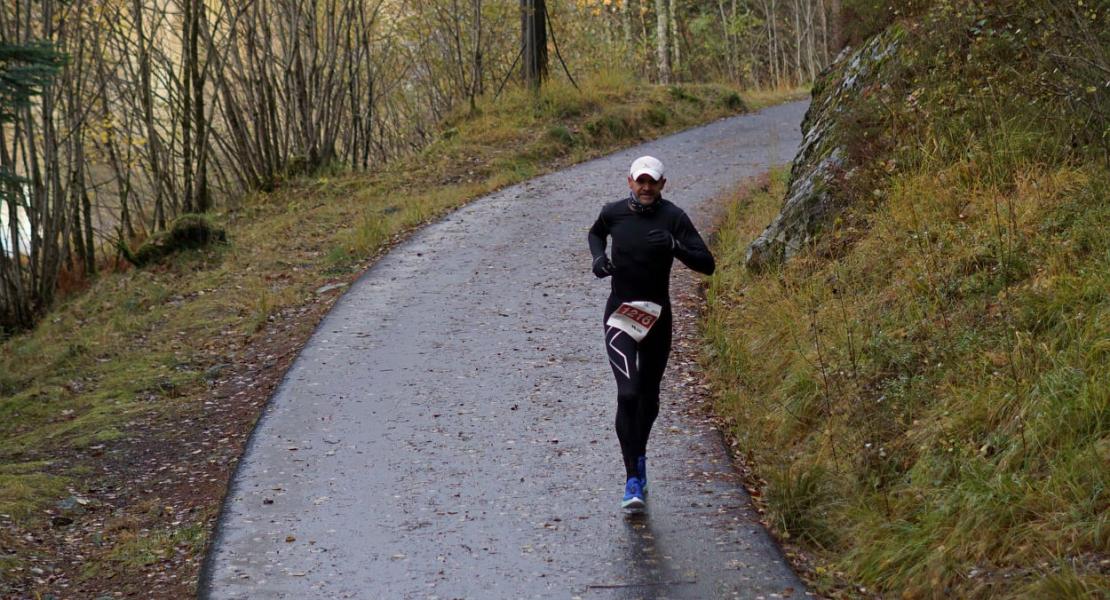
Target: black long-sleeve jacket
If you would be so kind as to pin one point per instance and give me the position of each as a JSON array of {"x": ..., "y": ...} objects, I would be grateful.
[{"x": 642, "y": 271}]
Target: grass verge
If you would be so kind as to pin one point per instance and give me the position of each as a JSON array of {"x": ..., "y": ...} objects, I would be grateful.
[
  {"x": 925, "y": 388},
  {"x": 928, "y": 398}
]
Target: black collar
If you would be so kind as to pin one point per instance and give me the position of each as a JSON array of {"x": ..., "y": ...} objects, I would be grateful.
[{"x": 641, "y": 208}]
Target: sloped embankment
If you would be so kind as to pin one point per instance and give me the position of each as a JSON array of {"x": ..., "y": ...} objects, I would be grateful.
[{"x": 925, "y": 384}]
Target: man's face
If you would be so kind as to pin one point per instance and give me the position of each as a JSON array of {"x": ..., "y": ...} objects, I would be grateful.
[{"x": 646, "y": 189}]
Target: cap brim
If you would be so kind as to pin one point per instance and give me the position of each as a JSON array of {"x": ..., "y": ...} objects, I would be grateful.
[{"x": 654, "y": 174}]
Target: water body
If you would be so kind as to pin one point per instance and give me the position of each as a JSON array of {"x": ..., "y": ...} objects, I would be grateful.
[{"x": 6, "y": 229}]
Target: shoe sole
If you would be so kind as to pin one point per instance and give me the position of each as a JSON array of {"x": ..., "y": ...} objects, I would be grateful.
[{"x": 633, "y": 504}]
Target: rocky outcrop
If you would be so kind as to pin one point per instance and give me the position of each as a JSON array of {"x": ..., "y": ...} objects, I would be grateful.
[{"x": 811, "y": 200}]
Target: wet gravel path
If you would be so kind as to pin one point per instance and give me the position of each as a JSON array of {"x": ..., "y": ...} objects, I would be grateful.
[{"x": 447, "y": 431}]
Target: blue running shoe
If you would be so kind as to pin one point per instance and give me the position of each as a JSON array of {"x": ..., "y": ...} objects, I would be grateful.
[
  {"x": 641, "y": 468},
  {"x": 633, "y": 495}
]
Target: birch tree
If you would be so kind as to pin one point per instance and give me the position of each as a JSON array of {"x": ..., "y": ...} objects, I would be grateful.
[{"x": 662, "y": 47}]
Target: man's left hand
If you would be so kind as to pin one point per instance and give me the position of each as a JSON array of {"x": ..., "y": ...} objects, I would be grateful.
[{"x": 661, "y": 238}]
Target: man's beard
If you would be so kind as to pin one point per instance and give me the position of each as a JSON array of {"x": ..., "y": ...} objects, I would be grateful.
[{"x": 641, "y": 208}]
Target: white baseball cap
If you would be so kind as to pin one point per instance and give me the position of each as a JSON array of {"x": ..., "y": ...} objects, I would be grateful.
[{"x": 647, "y": 165}]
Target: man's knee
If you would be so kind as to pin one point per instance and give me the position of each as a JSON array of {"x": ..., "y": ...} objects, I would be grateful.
[{"x": 628, "y": 400}]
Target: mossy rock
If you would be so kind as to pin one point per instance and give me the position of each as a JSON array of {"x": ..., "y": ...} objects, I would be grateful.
[
  {"x": 823, "y": 161},
  {"x": 733, "y": 101},
  {"x": 657, "y": 116},
  {"x": 679, "y": 92},
  {"x": 609, "y": 126},
  {"x": 561, "y": 135},
  {"x": 187, "y": 232}
]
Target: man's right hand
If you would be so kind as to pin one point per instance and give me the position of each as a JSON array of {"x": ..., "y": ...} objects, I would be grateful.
[{"x": 603, "y": 267}]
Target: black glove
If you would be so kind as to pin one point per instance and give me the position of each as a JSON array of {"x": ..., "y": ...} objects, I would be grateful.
[
  {"x": 603, "y": 267},
  {"x": 661, "y": 238}
]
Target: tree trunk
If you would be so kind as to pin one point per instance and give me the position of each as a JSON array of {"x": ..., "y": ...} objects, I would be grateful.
[
  {"x": 672, "y": 21},
  {"x": 626, "y": 26},
  {"x": 811, "y": 39},
  {"x": 202, "y": 199},
  {"x": 146, "y": 94},
  {"x": 824, "y": 33},
  {"x": 187, "y": 108},
  {"x": 799, "y": 34},
  {"x": 772, "y": 42},
  {"x": 730, "y": 45},
  {"x": 662, "y": 47},
  {"x": 477, "y": 87},
  {"x": 534, "y": 38},
  {"x": 836, "y": 38}
]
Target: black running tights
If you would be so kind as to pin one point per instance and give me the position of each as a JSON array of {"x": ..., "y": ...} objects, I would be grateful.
[{"x": 638, "y": 368}]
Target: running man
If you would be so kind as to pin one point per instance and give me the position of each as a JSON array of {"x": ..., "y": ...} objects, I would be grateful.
[{"x": 648, "y": 233}]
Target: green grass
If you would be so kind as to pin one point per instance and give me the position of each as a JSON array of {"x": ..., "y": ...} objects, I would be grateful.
[
  {"x": 21, "y": 484},
  {"x": 137, "y": 550},
  {"x": 919, "y": 408},
  {"x": 130, "y": 549}
]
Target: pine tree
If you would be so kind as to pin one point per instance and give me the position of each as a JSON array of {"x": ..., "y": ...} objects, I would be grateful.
[{"x": 24, "y": 70}]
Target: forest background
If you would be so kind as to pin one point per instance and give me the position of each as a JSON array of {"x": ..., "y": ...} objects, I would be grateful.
[{"x": 145, "y": 110}]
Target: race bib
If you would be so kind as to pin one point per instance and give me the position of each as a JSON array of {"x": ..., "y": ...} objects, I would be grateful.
[{"x": 635, "y": 318}]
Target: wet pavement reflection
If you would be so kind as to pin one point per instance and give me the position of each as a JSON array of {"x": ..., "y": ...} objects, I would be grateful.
[{"x": 648, "y": 561}]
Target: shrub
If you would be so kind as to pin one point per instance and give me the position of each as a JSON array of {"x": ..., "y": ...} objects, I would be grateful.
[
  {"x": 187, "y": 232},
  {"x": 561, "y": 135}
]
